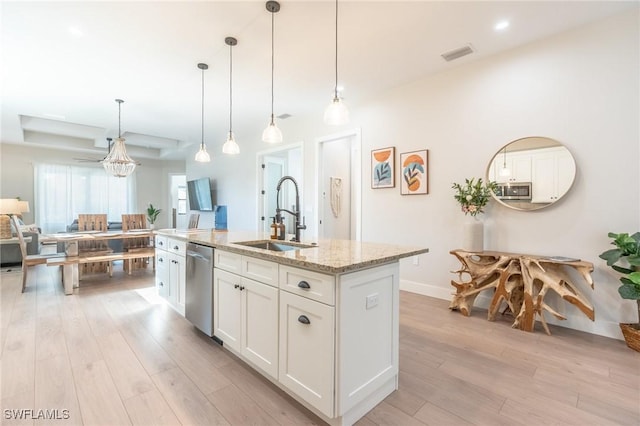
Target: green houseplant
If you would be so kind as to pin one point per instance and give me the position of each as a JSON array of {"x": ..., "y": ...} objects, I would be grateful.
[
  {"x": 625, "y": 259},
  {"x": 474, "y": 195},
  {"x": 152, "y": 214}
]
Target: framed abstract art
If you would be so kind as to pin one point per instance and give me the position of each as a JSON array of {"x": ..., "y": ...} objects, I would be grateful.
[
  {"x": 414, "y": 168},
  {"x": 383, "y": 170}
]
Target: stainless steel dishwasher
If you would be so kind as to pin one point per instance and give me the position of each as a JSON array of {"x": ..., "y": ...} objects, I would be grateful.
[{"x": 199, "y": 291}]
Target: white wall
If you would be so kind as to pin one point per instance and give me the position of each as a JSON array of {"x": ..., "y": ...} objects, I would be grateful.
[
  {"x": 580, "y": 88},
  {"x": 16, "y": 174}
]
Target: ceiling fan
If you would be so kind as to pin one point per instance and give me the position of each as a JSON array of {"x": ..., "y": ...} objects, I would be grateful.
[{"x": 94, "y": 160}]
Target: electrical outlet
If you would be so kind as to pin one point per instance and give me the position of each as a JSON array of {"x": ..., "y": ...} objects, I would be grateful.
[
  {"x": 416, "y": 260},
  {"x": 372, "y": 300}
]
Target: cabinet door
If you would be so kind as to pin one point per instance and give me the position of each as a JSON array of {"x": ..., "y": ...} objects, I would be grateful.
[
  {"x": 162, "y": 274},
  {"x": 178, "y": 279},
  {"x": 543, "y": 187},
  {"x": 307, "y": 350},
  {"x": 260, "y": 325},
  {"x": 521, "y": 168},
  {"x": 227, "y": 312}
]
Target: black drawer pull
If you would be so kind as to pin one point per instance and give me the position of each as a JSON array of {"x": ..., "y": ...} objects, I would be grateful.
[
  {"x": 176, "y": 247},
  {"x": 303, "y": 319},
  {"x": 160, "y": 259},
  {"x": 236, "y": 285},
  {"x": 304, "y": 284},
  {"x": 161, "y": 284},
  {"x": 241, "y": 288},
  {"x": 160, "y": 243}
]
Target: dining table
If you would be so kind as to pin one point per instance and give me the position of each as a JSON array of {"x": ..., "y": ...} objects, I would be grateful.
[{"x": 75, "y": 256}]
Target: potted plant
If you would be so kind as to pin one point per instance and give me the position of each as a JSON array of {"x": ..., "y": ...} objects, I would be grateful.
[
  {"x": 473, "y": 196},
  {"x": 152, "y": 215},
  {"x": 625, "y": 258}
]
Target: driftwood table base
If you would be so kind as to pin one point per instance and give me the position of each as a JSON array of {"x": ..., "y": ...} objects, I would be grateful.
[{"x": 520, "y": 282}]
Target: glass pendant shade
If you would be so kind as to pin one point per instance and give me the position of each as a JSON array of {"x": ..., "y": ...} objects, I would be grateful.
[
  {"x": 117, "y": 162},
  {"x": 505, "y": 171},
  {"x": 336, "y": 113},
  {"x": 202, "y": 156},
  {"x": 272, "y": 134},
  {"x": 230, "y": 146}
]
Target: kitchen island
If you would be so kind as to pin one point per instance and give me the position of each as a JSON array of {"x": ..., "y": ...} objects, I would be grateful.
[{"x": 318, "y": 320}]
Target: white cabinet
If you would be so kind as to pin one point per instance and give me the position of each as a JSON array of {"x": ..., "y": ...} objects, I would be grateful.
[
  {"x": 518, "y": 163},
  {"x": 553, "y": 170},
  {"x": 177, "y": 281},
  {"x": 329, "y": 340},
  {"x": 170, "y": 271},
  {"x": 246, "y": 311},
  {"x": 162, "y": 273},
  {"x": 307, "y": 350}
]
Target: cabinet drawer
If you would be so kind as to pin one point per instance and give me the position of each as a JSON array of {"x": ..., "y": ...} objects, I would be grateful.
[
  {"x": 177, "y": 246},
  {"x": 228, "y": 261},
  {"x": 260, "y": 270},
  {"x": 161, "y": 242},
  {"x": 306, "y": 364},
  {"x": 314, "y": 285},
  {"x": 162, "y": 259}
]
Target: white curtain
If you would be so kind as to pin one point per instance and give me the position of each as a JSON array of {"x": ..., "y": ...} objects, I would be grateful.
[{"x": 63, "y": 192}]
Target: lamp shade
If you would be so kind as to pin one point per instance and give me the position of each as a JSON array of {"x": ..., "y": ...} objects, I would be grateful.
[
  {"x": 203, "y": 156},
  {"x": 23, "y": 206},
  {"x": 272, "y": 134},
  {"x": 10, "y": 206},
  {"x": 230, "y": 147},
  {"x": 336, "y": 113}
]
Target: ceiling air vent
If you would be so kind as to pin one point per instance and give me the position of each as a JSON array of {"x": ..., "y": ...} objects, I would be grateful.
[{"x": 457, "y": 53}]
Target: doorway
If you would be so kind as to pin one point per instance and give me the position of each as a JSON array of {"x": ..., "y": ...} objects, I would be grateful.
[
  {"x": 178, "y": 196},
  {"x": 272, "y": 165},
  {"x": 339, "y": 186}
]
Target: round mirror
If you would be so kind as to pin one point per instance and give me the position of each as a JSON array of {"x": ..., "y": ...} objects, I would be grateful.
[{"x": 532, "y": 173}]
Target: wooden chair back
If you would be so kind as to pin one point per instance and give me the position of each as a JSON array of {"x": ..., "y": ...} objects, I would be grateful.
[
  {"x": 134, "y": 221},
  {"x": 130, "y": 222},
  {"x": 193, "y": 220},
  {"x": 22, "y": 242},
  {"x": 92, "y": 222}
]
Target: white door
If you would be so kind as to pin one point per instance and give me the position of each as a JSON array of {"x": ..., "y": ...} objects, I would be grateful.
[{"x": 339, "y": 186}]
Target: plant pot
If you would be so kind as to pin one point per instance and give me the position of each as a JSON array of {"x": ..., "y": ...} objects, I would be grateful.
[
  {"x": 473, "y": 234},
  {"x": 631, "y": 333}
]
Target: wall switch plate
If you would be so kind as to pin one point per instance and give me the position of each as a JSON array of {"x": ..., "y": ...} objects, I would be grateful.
[{"x": 372, "y": 300}]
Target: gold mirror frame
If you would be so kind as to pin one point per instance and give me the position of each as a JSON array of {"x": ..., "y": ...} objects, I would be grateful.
[{"x": 533, "y": 173}]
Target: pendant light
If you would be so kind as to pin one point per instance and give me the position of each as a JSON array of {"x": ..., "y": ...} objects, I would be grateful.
[
  {"x": 272, "y": 134},
  {"x": 230, "y": 146},
  {"x": 337, "y": 112},
  {"x": 505, "y": 171},
  {"x": 202, "y": 156},
  {"x": 117, "y": 162}
]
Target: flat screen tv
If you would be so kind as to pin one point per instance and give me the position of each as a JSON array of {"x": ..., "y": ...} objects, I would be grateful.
[{"x": 200, "y": 198}]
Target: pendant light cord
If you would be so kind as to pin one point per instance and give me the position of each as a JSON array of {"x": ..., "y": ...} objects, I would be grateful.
[
  {"x": 202, "y": 118},
  {"x": 119, "y": 132},
  {"x": 230, "y": 87},
  {"x": 272, "y": 66},
  {"x": 336, "y": 86}
]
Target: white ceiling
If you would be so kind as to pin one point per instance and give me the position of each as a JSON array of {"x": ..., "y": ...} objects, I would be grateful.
[{"x": 58, "y": 89}]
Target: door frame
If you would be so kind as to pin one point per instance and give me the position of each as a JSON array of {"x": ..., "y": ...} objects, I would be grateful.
[
  {"x": 260, "y": 177},
  {"x": 356, "y": 180}
]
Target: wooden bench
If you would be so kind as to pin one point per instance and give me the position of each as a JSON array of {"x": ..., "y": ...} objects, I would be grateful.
[{"x": 129, "y": 256}]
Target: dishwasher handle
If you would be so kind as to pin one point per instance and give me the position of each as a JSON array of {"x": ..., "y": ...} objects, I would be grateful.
[{"x": 197, "y": 256}]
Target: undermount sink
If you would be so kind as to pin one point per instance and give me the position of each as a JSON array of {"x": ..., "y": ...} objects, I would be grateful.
[{"x": 274, "y": 245}]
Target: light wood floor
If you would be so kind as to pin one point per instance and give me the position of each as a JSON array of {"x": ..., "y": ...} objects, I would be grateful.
[{"x": 115, "y": 354}]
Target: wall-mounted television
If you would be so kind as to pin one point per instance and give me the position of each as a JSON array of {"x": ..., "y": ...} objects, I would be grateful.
[{"x": 200, "y": 197}]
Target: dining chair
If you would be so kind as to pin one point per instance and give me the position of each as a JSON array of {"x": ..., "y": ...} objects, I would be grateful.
[
  {"x": 129, "y": 222},
  {"x": 93, "y": 223},
  {"x": 32, "y": 259}
]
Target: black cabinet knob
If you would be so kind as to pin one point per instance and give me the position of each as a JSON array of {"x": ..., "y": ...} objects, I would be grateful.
[
  {"x": 236, "y": 285},
  {"x": 241, "y": 288},
  {"x": 304, "y": 319},
  {"x": 304, "y": 284}
]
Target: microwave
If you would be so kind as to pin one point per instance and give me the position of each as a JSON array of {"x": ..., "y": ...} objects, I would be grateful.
[{"x": 514, "y": 191}]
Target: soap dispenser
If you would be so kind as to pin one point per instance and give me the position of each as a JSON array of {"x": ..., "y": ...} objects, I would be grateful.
[
  {"x": 281, "y": 229},
  {"x": 274, "y": 229}
]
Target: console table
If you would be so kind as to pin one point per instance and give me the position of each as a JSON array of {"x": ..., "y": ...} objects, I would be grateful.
[{"x": 521, "y": 281}]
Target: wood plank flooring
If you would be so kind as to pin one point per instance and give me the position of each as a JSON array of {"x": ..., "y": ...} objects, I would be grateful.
[{"x": 114, "y": 354}]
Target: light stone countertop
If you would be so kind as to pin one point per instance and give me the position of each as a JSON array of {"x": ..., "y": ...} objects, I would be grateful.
[{"x": 330, "y": 256}]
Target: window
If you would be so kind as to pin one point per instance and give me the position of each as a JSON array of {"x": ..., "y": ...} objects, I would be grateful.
[{"x": 63, "y": 192}]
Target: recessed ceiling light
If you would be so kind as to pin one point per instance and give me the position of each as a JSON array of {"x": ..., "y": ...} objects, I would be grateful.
[
  {"x": 501, "y": 26},
  {"x": 75, "y": 31}
]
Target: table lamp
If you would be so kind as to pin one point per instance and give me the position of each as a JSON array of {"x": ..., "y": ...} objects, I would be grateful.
[{"x": 8, "y": 206}]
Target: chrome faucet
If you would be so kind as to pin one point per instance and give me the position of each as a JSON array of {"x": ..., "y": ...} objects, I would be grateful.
[{"x": 295, "y": 213}]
